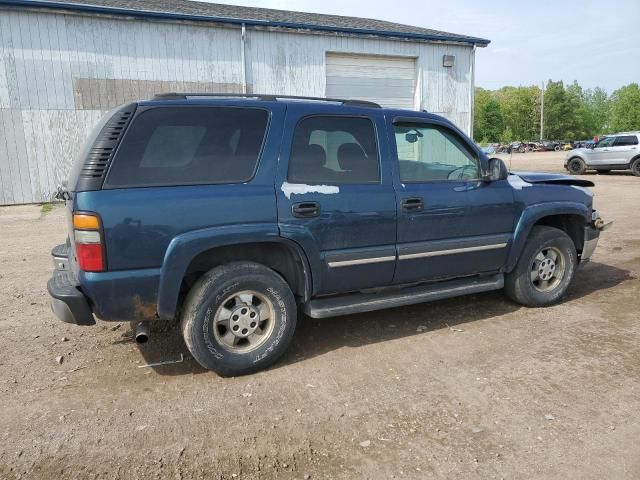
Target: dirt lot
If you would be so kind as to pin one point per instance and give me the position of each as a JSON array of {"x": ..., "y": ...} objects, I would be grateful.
[{"x": 466, "y": 388}]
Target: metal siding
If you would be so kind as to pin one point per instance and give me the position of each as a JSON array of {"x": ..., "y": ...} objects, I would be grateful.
[
  {"x": 44, "y": 119},
  {"x": 44, "y": 55},
  {"x": 274, "y": 59}
]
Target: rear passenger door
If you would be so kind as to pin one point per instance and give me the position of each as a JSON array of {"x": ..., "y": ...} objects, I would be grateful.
[
  {"x": 625, "y": 148},
  {"x": 335, "y": 195}
]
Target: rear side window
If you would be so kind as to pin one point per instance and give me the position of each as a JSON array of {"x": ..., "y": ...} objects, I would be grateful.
[
  {"x": 334, "y": 150},
  {"x": 626, "y": 140},
  {"x": 187, "y": 146}
]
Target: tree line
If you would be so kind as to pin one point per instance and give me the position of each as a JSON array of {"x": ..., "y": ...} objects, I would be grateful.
[{"x": 570, "y": 112}]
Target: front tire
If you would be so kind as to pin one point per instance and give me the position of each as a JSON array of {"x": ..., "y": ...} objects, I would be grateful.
[
  {"x": 238, "y": 318},
  {"x": 545, "y": 268},
  {"x": 576, "y": 166}
]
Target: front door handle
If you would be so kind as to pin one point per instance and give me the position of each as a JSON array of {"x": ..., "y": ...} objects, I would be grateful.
[
  {"x": 306, "y": 209},
  {"x": 412, "y": 204}
]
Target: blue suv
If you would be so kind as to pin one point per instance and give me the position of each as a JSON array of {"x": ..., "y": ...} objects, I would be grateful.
[{"x": 231, "y": 213}]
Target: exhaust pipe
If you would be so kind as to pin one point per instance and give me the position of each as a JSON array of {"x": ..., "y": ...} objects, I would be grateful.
[{"x": 142, "y": 332}]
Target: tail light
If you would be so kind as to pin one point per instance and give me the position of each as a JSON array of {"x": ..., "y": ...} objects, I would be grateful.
[{"x": 88, "y": 241}]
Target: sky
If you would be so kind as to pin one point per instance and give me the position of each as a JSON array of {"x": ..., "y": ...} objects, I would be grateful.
[{"x": 596, "y": 43}]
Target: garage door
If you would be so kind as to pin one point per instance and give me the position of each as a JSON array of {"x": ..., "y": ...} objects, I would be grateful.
[{"x": 389, "y": 81}]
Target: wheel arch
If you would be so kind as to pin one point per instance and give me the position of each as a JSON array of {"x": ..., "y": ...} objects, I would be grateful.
[
  {"x": 576, "y": 157},
  {"x": 188, "y": 258},
  {"x": 570, "y": 218}
]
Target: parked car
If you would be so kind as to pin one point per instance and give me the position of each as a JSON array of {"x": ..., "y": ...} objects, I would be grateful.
[
  {"x": 513, "y": 147},
  {"x": 551, "y": 146},
  {"x": 533, "y": 146},
  {"x": 488, "y": 150},
  {"x": 231, "y": 213},
  {"x": 620, "y": 151}
]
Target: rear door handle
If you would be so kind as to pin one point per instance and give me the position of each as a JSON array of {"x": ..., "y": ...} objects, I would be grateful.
[
  {"x": 412, "y": 204},
  {"x": 306, "y": 209}
]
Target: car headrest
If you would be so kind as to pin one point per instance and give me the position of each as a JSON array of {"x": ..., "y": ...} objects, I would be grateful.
[
  {"x": 313, "y": 156},
  {"x": 351, "y": 156}
]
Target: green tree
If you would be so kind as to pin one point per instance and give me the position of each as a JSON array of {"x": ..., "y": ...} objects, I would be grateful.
[
  {"x": 520, "y": 107},
  {"x": 507, "y": 135},
  {"x": 481, "y": 98},
  {"x": 596, "y": 110},
  {"x": 489, "y": 121},
  {"x": 625, "y": 108}
]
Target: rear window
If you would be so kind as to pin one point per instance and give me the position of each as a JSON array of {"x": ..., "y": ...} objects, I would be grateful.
[{"x": 188, "y": 146}]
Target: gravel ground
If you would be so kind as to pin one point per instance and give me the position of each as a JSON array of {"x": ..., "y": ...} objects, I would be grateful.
[{"x": 474, "y": 387}]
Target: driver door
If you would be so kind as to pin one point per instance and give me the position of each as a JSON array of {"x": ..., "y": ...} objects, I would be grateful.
[
  {"x": 603, "y": 153},
  {"x": 440, "y": 233}
]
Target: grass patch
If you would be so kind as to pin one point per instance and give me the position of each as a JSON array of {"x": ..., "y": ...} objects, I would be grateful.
[{"x": 47, "y": 207}]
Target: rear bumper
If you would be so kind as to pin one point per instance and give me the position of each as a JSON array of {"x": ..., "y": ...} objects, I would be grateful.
[{"x": 68, "y": 302}]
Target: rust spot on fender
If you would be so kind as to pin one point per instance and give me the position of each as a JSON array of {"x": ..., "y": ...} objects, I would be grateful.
[{"x": 144, "y": 310}]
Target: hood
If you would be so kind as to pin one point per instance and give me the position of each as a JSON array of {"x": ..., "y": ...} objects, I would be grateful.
[
  {"x": 580, "y": 150},
  {"x": 553, "y": 178}
]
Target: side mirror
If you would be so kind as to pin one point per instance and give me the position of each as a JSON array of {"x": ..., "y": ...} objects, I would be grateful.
[{"x": 497, "y": 170}]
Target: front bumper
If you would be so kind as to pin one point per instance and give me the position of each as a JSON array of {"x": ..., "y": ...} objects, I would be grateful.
[
  {"x": 592, "y": 235},
  {"x": 68, "y": 302}
]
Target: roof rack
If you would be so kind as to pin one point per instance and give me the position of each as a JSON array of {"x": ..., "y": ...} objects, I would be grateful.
[{"x": 267, "y": 98}]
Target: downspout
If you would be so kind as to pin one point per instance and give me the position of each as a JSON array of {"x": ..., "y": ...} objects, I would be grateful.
[
  {"x": 472, "y": 87},
  {"x": 242, "y": 58}
]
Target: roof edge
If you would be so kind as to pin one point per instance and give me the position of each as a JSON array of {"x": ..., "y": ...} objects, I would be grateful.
[{"x": 480, "y": 42}]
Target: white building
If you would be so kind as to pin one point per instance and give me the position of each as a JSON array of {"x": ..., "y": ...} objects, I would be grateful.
[{"x": 63, "y": 64}]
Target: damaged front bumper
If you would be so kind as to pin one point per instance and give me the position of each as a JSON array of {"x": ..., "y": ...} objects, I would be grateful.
[{"x": 592, "y": 235}]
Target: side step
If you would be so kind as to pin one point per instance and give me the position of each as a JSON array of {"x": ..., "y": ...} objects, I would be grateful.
[{"x": 368, "y": 302}]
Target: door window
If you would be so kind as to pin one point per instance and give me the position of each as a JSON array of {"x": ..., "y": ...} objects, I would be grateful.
[
  {"x": 606, "y": 142},
  {"x": 333, "y": 150},
  {"x": 626, "y": 140},
  {"x": 430, "y": 153}
]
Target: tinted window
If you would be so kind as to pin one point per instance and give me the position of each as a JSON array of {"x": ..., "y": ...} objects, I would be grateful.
[
  {"x": 193, "y": 145},
  {"x": 334, "y": 150},
  {"x": 626, "y": 140},
  {"x": 431, "y": 153}
]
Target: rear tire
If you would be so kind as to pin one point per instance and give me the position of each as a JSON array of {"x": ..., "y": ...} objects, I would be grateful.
[
  {"x": 635, "y": 167},
  {"x": 576, "y": 166},
  {"x": 238, "y": 318},
  {"x": 545, "y": 268}
]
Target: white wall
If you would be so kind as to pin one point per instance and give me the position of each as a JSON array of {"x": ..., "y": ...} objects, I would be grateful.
[{"x": 60, "y": 72}]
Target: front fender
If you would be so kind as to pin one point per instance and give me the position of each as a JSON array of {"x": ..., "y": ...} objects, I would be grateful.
[
  {"x": 185, "y": 247},
  {"x": 532, "y": 214}
]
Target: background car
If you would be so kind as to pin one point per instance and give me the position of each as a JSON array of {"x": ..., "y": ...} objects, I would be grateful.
[{"x": 620, "y": 151}]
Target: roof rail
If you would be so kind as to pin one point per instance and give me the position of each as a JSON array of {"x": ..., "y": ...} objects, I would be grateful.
[{"x": 268, "y": 98}]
